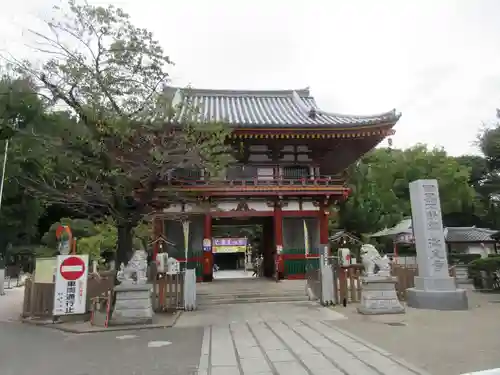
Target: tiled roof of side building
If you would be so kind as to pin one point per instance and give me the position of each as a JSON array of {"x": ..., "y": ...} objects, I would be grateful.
[
  {"x": 282, "y": 108},
  {"x": 469, "y": 234}
]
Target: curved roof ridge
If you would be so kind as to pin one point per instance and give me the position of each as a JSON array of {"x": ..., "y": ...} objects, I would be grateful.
[
  {"x": 312, "y": 106},
  {"x": 304, "y": 92},
  {"x": 392, "y": 113}
]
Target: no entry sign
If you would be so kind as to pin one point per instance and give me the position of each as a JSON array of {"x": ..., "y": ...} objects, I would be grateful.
[
  {"x": 71, "y": 285},
  {"x": 72, "y": 268}
]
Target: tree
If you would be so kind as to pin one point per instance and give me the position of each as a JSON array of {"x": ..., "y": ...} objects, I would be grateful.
[
  {"x": 20, "y": 109},
  {"x": 380, "y": 186},
  {"x": 489, "y": 185},
  {"x": 80, "y": 228},
  {"x": 125, "y": 136}
]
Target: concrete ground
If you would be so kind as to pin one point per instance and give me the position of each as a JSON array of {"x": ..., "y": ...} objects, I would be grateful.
[
  {"x": 26, "y": 349},
  {"x": 247, "y": 339},
  {"x": 32, "y": 350},
  {"x": 441, "y": 342},
  {"x": 11, "y": 304},
  {"x": 264, "y": 338}
]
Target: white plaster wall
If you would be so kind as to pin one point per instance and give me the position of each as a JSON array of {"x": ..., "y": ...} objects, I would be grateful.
[
  {"x": 188, "y": 208},
  {"x": 227, "y": 206},
  {"x": 259, "y": 206},
  {"x": 478, "y": 249},
  {"x": 292, "y": 206},
  {"x": 256, "y": 206},
  {"x": 309, "y": 206},
  {"x": 174, "y": 208}
]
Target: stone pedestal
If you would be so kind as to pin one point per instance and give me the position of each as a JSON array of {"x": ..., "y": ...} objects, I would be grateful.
[
  {"x": 378, "y": 296},
  {"x": 133, "y": 305},
  {"x": 455, "y": 299},
  {"x": 434, "y": 288}
]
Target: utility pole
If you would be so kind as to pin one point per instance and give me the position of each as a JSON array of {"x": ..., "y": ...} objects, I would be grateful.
[{"x": 2, "y": 182}]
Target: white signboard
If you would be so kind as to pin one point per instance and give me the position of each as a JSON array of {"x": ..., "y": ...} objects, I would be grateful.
[{"x": 70, "y": 294}]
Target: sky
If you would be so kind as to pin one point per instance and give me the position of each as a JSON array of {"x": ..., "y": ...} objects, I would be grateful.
[{"x": 435, "y": 61}]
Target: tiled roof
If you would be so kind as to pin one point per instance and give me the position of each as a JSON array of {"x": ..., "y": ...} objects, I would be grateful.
[
  {"x": 285, "y": 108},
  {"x": 342, "y": 234},
  {"x": 452, "y": 234},
  {"x": 403, "y": 227},
  {"x": 469, "y": 234}
]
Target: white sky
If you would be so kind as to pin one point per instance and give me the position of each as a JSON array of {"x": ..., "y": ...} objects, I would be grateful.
[{"x": 436, "y": 61}]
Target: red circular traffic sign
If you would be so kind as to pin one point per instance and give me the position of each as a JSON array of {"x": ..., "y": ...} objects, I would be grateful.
[{"x": 72, "y": 268}]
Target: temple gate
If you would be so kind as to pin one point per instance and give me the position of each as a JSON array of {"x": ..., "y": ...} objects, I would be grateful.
[{"x": 289, "y": 173}]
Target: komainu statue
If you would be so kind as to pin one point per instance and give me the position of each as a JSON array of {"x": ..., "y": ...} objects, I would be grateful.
[
  {"x": 371, "y": 258},
  {"x": 136, "y": 270}
]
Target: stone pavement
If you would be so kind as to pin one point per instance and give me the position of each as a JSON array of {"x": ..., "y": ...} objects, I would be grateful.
[{"x": 292, "y": 345}]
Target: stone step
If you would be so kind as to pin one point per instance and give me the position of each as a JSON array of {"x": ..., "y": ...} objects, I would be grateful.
[
  {"x": 233, "y": 301},
  {"x": 251, "y": 294}
]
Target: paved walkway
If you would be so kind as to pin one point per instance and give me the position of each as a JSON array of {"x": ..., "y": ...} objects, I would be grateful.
[{"x": 293, "y": 347}]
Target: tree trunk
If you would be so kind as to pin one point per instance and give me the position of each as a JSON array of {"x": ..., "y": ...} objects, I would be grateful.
[{"x": 124, "y": 250}]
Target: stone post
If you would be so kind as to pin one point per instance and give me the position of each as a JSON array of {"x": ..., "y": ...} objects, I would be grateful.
[
  {"x": 2, "y": 280},
  {"x": 434, "y": 288}
]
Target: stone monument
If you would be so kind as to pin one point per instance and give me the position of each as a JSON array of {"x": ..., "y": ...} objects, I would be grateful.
[
  {"x": 378, "y": 294},
  {"x": 133, "y": 296},
  {"x": 434, "y": 288}
]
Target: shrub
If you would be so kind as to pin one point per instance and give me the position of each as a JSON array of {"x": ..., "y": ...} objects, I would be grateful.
[
  {"x": 485, "y": 273},
  {"x": 454, "y": 259}
]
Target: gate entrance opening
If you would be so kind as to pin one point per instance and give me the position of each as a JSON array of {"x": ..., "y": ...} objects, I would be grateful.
[{"x": 250, "y": 246}]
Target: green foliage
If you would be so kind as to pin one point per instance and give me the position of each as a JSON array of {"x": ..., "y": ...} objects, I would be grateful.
[
  {"x": 142, "y": 235},
  {"x": 124, "y": 138},
  {"x": 380, "y": 193},
  {"x": 79, "y": 228},
  {"x": 489, "y": 264},
  {"x": 20, "y": 110},
  {"x": 484, "y": 273},
  {"x": 462, "y": 258},
  {"x": 103, "y": 241},
  {"x": 487, "y": 184},
  {"x": 93, "y": 238}
]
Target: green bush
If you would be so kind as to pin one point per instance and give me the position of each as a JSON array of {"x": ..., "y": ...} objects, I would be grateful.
[
  {"x": 454, "y": 259},
  {"x": 485, "y": 273}
]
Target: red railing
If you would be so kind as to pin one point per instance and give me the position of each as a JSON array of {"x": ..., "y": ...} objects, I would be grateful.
[{"x": 256, "y": 181}]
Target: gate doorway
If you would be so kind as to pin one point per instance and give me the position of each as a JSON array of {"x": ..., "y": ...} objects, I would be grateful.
[{"x": 259, "y": 233}]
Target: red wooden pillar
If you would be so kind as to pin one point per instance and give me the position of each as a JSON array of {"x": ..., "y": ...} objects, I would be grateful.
[
  {"x": 158, "y": 229},
  {"x": 278, "y": 240},
  {"x": 208, "y": 258}
]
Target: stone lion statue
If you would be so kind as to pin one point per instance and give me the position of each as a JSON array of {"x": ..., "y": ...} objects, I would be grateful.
[
  {"x": 371, "y": 258},
  {"x": 136, "y": 270}
]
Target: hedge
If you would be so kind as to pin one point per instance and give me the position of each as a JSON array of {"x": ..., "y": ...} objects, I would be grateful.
[
  {"x": 454, "y": 259},
  {"x": 485, "y": 273}
]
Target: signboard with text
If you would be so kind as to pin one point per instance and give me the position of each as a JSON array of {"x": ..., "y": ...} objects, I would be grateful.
[
  {"x": 229, "y": 245},
  {"x": 70, "y": 293}
]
